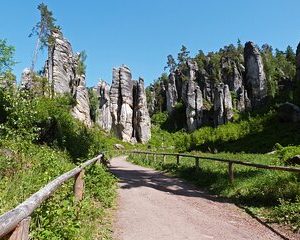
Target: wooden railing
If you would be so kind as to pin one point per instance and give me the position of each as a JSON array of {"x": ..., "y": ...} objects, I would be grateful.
[
  {"x": 14, "y": 224},
  {"x": 229, "y": 161}
]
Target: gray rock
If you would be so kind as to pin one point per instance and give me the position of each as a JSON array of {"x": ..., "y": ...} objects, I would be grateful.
[
  {"x": 171, "y": 93},
  {"x": 192, "y": 97},
  {"x": 103, "y": 114},
  {"x": 61, "y": 64},
  {"x": 81, "y": 110},
  {"x": 228, "y": 108},
  {"x": 243, "y": 102},
  {"x": 288, "y": 112},
  {"x": 26, "y": 79},
  {"x": 193, "y": 69},
  {"x": 130, "y": 116},
  {"x": 119, "y": 146},
  {"x": 223, "y": 109},
  {"x": 231, "y": 74},
  {"x": 256, "y": 83},
  {"x": 61, "y": 71},
  {"x": 143, "y": 121}
]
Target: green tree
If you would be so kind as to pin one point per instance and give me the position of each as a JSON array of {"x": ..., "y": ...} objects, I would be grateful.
[
  {"x": 171, "y": 63},
  {"x": 43, "y": 30},
  {"x": 183, "y": 55},
  {"x": 6, "y": 57},
  {"x": 81, "y": 68}
]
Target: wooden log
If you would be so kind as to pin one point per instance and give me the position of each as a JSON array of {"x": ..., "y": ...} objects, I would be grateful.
[
  {"x": 230, "y": 172},
  {"x": 178, "y": 159},
  {"x": 21, "y": 232},
  {"x": 79, "y": 186},
  {"x": 10, "y": 219}
]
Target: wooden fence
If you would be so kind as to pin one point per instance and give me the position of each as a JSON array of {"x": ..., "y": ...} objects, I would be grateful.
[
  {"x": 230, "y": 162},
  {"x": 14, "y": 224}
]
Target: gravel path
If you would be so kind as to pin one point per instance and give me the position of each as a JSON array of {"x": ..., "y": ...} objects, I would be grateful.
[{"x": 154, "y": 206}]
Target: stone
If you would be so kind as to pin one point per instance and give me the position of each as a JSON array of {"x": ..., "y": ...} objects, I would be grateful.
[
  {"x": 61, "y": 70},
  {"x": 171, "y": 93},
  {"x": 193, "y": 69},
  {"x": 142, "y": 118},
  {"x": 61, "y": 64},
  {"x": 81, "y": 110},
  {"x": 243, "y": 102},
  {"x": 288, "y": 112},
  {"x": 26, "y": 79},
  {"x": 223, "y": 109},
  {"x": 103, "y": 115},
  {"x": 228, "y": 108},
  {"x": 255, "y": 77},
  {"x": 231, "y": 74},
  {"x": 193, "y": 100},
  {"x": 119, "y": 146},
  {"x": 219, "y": 105},
  {"x": 130, "y": 116}
]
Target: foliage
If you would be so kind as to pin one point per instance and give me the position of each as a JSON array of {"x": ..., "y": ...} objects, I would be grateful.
[
  {"x": 26, "y": 167},
  {"x": 94, "y": 103},
  {"x": 6, "y": 57},
  {"x": 81, "y": 67},
  {"x": 43, "y": 29}
]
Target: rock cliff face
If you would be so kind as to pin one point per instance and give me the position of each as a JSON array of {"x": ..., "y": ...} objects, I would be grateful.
[
  {"x": 81, "y": 110},
  {"x": 126, "y": 101},
  {"x": 171, "y": 93},
  {"x": 255, "y": 75},
  {"x": 103, "y": 116},
  {"x": 211, "y": 92},
  {"x": 192, "y": 96},
  {"x": 61, "y": 71},
  {"x": 223, "y": 110}
]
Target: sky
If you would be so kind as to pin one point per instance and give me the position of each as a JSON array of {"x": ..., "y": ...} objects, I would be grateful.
[{"x": 141, "y": 33}]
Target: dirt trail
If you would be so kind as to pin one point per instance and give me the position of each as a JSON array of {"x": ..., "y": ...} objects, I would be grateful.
[{"x": 154, "y": 206}]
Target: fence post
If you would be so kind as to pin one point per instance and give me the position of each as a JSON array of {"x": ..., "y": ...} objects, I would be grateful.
[
  {"x": 79, "y": 186},
  {"x": 230, "y": 172},
  {"x": 164, "y": 159},
  {"x": 178, "y": 159},
  {"x": 147, "y": 156},
  {"x": 197, "y": 163},
  {"x": 21, "y": 232},
  {"x": 154, "y": 157}
]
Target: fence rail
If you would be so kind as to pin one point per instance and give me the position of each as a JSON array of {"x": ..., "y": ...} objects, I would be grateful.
[
  {"x": 14, "y": 224},
  {"x": 229, "y": 161}
]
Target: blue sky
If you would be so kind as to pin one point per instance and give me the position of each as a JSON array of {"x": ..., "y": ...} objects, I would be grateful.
[{"x": 141, "y": 33}]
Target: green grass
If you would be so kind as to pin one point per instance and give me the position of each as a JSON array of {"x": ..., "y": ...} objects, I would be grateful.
[
  {"x": 253, "y": 188},
  {"x": 26, "y": 167}
]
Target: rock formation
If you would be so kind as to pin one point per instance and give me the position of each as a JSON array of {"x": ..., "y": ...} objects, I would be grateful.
[
  {"x": 103, "y": 115},
  {"x": 171, "y": 93},
  {"x": 61, "y": 69},
  {"x": 121, "y": 96},
  {"x": 192, "y": 97},
  {"x": 26, "y": 79},
  {"x": 81, "y": 110},
  {"x": 141, "y": 114},
  {"x": 255, "y": 76},
  {"x": 223, "y": 110},
  {"x": 125, "y": 107}
]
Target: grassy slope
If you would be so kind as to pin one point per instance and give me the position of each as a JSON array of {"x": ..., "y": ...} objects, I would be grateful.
[{"x": 25, "y": 168}]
